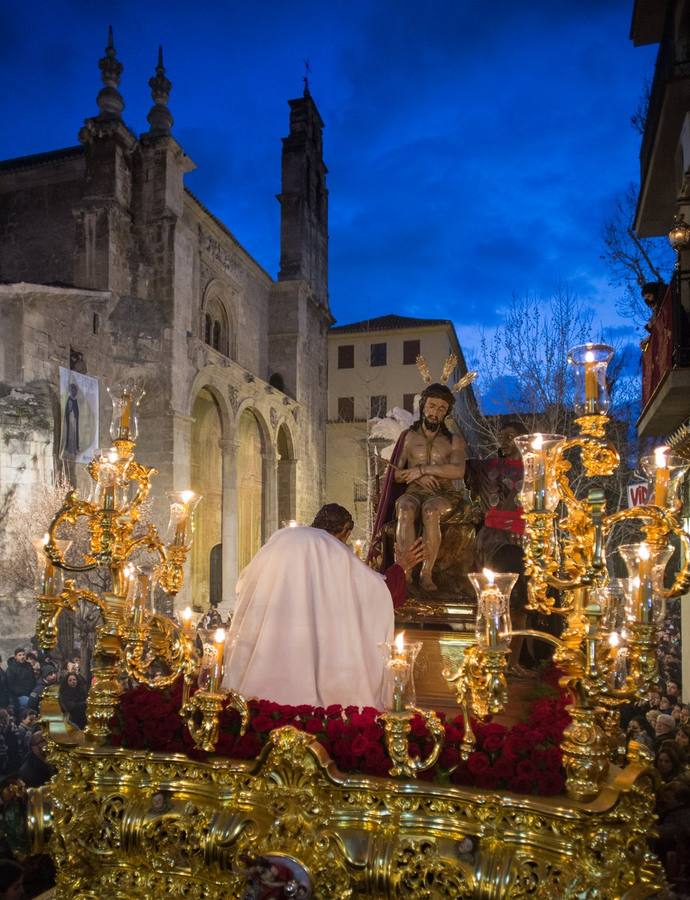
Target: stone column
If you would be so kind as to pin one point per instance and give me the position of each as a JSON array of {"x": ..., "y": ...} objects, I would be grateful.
[
  {"x": 228, "y": 448},
  {"x": 270, "y": 492}
]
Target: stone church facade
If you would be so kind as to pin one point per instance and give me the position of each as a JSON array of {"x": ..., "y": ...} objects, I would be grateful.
[{"x": 110, "y": 266}]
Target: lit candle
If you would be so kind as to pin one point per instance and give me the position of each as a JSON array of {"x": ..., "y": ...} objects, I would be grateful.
[
  {"x": 186, "y": 616},
  {"x": 644, "y": 573},
  {"x": 180, "y": 514},
  {"x": 591, "y": 383},
  {"x": 219, "y": 650},
  {"x": 48, "y": 585},
  {"x": 359, "y": 548},
  {"x": 539, "y": 474},
  {"x": 292, "y": 523},
  {"x": 489, "y": 603},
  {"x": 126, "y": 416},
  {"x": 661, "y": 476},
  {"x": 399, "y": 665}
]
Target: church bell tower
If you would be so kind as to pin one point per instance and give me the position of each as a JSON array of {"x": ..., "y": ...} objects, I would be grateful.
[{"x": 304, "y": 201}]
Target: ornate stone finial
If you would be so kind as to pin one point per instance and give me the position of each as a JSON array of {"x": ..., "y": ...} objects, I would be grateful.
[
  {"x": 160, "y": 118},
  {"x": 110, "y": 102},
  {"x": 307, "y": 72}
]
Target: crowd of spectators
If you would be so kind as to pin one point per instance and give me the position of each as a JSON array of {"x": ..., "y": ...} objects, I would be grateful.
[
  {"x": 662, "y": 724},
  {"x": 23, "y": 763}
]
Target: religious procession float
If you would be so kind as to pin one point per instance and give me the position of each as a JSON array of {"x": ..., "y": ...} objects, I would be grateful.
[{"x": 180, "y": 788}]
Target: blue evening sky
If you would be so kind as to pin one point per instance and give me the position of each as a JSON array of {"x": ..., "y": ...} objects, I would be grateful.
[{"x": 474, "y": 148}]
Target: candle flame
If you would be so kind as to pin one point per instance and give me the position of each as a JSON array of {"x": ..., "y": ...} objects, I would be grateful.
[
  {"x": 489, "y": 575},
  {"x": 113, "y": 455},
  {"x": 660, "y": 460},
  {"x": 589, "y": 357},
  {"x": 538, "y": 442},
  {"x": 186, "y": 496},
  {"x": 400, "y": 641},
  {"x": 187, "y": 614},
  {"x": 219, "y": 636},
  {"x": 46, "y": 539},
  {"x": 292, "y": 523},
  {"x": 614, "y": 639},
  {"x": 643, "y": 551}
]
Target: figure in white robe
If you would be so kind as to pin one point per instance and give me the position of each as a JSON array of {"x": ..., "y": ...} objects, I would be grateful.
[{"x": 308, "y": 623}]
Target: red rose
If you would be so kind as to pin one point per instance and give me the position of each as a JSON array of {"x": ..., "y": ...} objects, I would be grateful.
[
  {"x": 313, "y": 726},
  {"x": 247, "y": 747},
  {"x": 486, "y": 780},
  {"x": 360, "y": 745},
  {"x": 503, "y": 768},
  {"x": 334, "y": 728},
  {"x": 492, "y": 743},
  {"x": 520, "y": 784},
  {"x": 418, "y": 728},
  {"x": 453, "y": 735},
  {"x": 262, "y": 723},
  {"x": 449, "y": 758},
  {"x": 551, "y": 783},
  {"x": 334, "y": 710},
  {"x": 526, "y": 769},
  {"x": 477, "y": 762}
]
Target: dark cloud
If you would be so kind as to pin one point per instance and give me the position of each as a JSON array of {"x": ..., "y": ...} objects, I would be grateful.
[{"x": 471, "y": 155}]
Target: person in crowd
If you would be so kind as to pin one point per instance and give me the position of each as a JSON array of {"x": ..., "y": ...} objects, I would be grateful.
[
  {"x": 673, "y": 841},
  {"x": 36, "y": 770},
  {"x": 11, "y": 880},
  {"x": 72, "y": 696},
  {"x": 683, "y": 741},
  {"x": 669, "y": 764},
  {"x": 5, "y": 699},
  {"x": 664, "y": 728},
  {"x": 73, "y": 667},
  {"x": 48, "y": 678},
  {"x": 10, "y": 754},
  {"x": 20, "y": 679},
  {"x": 640, "y": 731},
  {"x": 651, "y": 717},
  {"x": 25, "y": 729}
]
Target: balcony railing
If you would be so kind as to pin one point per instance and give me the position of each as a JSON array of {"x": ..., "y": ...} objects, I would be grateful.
[
  {"x": 668, "y": 346},
  {"x": 668, "y": 67}
]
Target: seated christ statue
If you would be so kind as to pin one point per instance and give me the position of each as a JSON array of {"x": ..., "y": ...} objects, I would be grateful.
[{"x": 310, "y": 617}]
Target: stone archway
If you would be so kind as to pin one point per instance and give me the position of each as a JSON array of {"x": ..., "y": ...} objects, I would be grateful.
[
  {"x": 287, "y": 482},
  {"x": 207, "y": 480},
  {"x": 250, "y": 488}
]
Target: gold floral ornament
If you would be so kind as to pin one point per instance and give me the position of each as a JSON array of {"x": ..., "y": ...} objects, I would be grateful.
[
  {"x": 446, "y": 372},
  {"x": 566, "y": 534},
  {"x": 133, "y": 639}
]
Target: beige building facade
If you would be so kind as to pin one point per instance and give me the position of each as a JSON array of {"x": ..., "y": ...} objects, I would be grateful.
[
  {"x": 110, "y": 266},
  {"x": 372, "y": 369}
]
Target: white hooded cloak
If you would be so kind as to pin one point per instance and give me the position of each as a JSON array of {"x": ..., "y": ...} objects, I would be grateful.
[{"x": 309, "y": 618}]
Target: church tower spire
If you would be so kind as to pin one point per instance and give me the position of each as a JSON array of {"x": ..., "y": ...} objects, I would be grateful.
[
  {"x": 160, "y": 118},
  {"x": 304, "y": 201},
  {"x": 110, "y": 102}
]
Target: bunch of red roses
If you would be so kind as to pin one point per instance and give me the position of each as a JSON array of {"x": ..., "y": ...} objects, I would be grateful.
[{"x": 525, "y": 758}]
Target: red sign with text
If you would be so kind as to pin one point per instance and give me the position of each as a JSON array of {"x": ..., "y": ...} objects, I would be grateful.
[{"x": 638, "y": 494}]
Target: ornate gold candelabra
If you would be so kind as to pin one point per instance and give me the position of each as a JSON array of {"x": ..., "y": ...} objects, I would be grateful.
[
  {"x": 566, "y": 567},
  {"x": 133, "y": 640},
  {"x": 400, "y": 658}
]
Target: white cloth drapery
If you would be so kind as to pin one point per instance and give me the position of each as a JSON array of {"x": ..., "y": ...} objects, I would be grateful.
[{"x": 307, "y": 624}]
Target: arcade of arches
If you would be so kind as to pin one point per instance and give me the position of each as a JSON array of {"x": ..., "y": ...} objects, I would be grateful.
[{"x": 259, "y": 496}]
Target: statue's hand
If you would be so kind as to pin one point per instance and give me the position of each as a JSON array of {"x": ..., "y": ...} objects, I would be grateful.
[
  {"x": 411, "y": 557},
  {"x": 429, "y": 481}
]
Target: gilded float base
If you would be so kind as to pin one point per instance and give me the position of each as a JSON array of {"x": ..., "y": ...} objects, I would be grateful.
[{"x": 133, "y": 824}]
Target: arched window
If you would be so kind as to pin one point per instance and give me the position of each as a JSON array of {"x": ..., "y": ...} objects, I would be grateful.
[{"x": 217, "y": 326}]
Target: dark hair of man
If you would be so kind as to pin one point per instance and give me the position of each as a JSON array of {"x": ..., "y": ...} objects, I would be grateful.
[
  {"x": 333, "y": 519},
  {"x": 10, "y": 873},
  {"x": 438, "y": 392},
  {"x": 19, "y": 650}
]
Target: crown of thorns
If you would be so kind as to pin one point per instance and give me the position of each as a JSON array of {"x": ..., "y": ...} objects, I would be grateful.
[{"x": 448, "y": 367}]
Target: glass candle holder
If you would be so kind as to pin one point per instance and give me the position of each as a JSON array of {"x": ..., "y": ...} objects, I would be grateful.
[
  {"x": 50, "y": 576},
  {"x": 181, "y": 525},
  {"x": 591, "y": 390},
  {"x": 666, "y": 474},
  {"x": 141, "y": 586},
  {"x": 109, "y": 491},
  {"x": 400, "y": 657},
  {"x": 493, "y": 625},
  {"x": 124, "y": 425},
  {"x": 646, "y": 564},
  {"x": 539, "y": 491}
]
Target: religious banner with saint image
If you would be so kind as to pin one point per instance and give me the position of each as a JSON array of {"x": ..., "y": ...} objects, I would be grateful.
[{"x": 78, "y": 416}]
